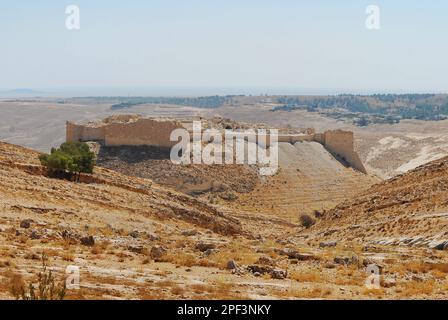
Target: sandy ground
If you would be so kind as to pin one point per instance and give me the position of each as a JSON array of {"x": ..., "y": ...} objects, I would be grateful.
[{"x": 309, "y": 179}]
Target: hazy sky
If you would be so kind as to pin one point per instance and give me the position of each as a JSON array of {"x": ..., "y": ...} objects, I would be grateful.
[{"x": 225, "y": 43}]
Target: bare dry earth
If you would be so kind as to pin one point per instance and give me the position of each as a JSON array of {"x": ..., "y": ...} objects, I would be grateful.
[
  {"x": 409, "y": 209},
  {"x": 155, "y": 164},
  {"x": 309, "y": 179},
  {"x": 391, "y": 150},
  {"x": 128, "y": 217}
]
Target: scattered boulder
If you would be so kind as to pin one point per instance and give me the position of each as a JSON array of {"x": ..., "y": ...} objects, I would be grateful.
[
  {"x": 306, "y": 257},
  {"x": 279, "y": 274},
  {"x": 417, "y": 278},
  {"x": 202, "y": 246},
  {"x": 157, "y": 252},
  {"x": 318, "y": 214},
  {"x": 346, "y": 260},
  {"x": 67, "y": 235},
  {"x": 266, "y": 261},
  {"x": 329, "y": 232},
  {"x": 328, "y": 244},
  {"x": 368, "y": 261},
  {"x": 228, "y": 195},
  {"x": 32, "y": 256},
  {"x": 152, "y": 236},
  {"x": 231, "y": 265},
  {"x": 134, "y": 234},
  {"x": 441, "y": 246},
  {"x": 88, "y": 241},
  {"x": 25, "y": 224},
  {"x": 293, "y": 254},
  {"x": 369, "y": 248},
  {"x": 35, "y": 235},
  {"x": 259, "y": 269},
  {"x": 287, "y": 252},
  {"x": 136, "y": 249},
  {"x": 209, "y": 252},
  {"x": 388, "y": 283},
  {"x": 189, "y": 233}
]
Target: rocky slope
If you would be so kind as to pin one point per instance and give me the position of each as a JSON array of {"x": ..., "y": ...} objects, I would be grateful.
[
  {"x": 133, "y": 239},
  {"x": 155, "y": 164},
  {"x": 411, "y": 208},
  {"x": 309, "y": 178}
]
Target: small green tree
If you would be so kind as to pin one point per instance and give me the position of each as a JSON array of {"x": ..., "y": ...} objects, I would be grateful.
[
  {"x": 74, "y": 157},
  {"x": 46, "y": 288}
]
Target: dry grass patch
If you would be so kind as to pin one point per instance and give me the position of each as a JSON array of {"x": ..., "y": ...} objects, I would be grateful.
[
  {"x": 303, "y": 293},
  {"x": 416, "y": 288},
  {"x": 419, "y": 266},
  {"x": 308, "y": 276},
  {"x": 178, "y": 291},
  {"x": 373, "y": 293},
  {"x": 237, "y": 251},
  {"x": 186, "y": 260},
  {"x": 100, "y": 247},
  {"x": 147, "y": 294},
  {"x": 221, "y": 290}
]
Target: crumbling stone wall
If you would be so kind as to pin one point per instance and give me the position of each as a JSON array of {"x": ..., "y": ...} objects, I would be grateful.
[
  {"x": 141, "y": 132},
  {"x": 156, "y": 132},
  {"x": 75, "y": 132},
  {"x": 341, "y": 144}
]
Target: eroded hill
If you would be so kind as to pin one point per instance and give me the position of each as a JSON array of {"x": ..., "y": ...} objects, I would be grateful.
[
  {"x": 410, "y": 209},
  {"x": 132, "y": 238},
  {"x": 309, "y": 178}
]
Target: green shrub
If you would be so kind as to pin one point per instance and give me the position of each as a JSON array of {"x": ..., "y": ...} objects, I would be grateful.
[
  {"x": 46, "y": 287},
  {"x": 74, "y": 157}
]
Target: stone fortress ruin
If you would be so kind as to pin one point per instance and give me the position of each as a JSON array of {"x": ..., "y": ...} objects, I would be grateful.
[{"x": 134, "y": 130}]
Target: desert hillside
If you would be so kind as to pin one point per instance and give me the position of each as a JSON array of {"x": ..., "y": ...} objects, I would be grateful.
[
  {"x": 309, "y": 178},
  {"x": 132, "y": 238},
  {"x": 409, "y": 209},
  {"x": 155, "y": 164}
]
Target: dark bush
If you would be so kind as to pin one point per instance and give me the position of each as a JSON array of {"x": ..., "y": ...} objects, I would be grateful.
[{"x": 306, "y": 221}]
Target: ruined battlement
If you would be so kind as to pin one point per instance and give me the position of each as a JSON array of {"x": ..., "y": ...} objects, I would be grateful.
[
  {"x": 125, "y": 131},
  {"x": 133, "y": 130},
  {"x": 341, "y": 144}
]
